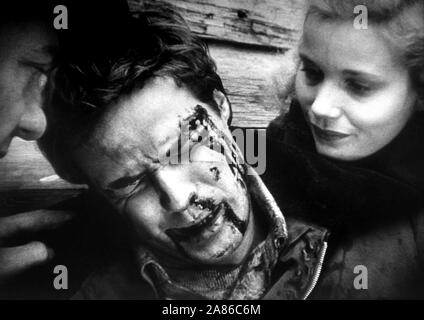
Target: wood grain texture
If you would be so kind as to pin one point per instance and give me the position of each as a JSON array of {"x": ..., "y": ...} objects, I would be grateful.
[
  {"x": 266, "y": 23},
  {"x": 25, "y": 167},
  {"x": 248, "y": 77},
  {"x": 249, "y": 59},
  {"x": 247, "y": 40}
]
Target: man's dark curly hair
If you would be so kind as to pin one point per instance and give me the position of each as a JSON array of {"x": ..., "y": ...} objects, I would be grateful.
[{"x": 157, "y": 43}]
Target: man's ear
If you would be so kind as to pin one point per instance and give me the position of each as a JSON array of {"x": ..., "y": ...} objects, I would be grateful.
[{"x": 224, "y": 106}]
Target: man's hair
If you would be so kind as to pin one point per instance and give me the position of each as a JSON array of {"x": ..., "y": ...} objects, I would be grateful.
[
  {"x": 401, "y": 23},
  {"x": 157, "y": 43}
]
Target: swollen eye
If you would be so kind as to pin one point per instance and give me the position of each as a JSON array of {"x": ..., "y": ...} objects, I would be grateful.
[{"x": 125, "y": 186}]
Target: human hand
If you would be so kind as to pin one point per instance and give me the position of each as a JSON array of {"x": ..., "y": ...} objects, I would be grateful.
[{"x": 16, "y": 259}]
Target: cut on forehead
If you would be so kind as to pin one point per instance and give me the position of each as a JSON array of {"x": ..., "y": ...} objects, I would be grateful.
[
  {"x": 142, "y": 123},
  {"x": 161, "y": 101}
]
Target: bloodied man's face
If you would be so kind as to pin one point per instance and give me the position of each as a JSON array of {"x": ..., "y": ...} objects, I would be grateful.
[{"x": 195, "y": 211}]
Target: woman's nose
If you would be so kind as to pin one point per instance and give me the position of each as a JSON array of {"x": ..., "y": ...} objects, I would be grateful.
[
  {"x": 327, "y": 102},
  {"x": 32, "y": 123},
  {"x": 175, "y": 188}
]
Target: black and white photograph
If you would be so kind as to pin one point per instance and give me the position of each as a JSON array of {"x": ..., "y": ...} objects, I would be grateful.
[{"x": 218, "y": 150}]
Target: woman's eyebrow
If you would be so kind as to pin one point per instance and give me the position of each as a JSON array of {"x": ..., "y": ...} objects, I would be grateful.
[
  {"x": 362, "y": 74},
  {"x": 348, "y": 72}
]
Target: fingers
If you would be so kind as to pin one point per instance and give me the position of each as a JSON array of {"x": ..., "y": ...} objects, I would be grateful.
[
  {"x": 33, "y": 221},
  {"x": 18, "y": 259}
]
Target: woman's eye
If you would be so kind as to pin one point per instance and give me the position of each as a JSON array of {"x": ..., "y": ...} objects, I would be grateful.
[
  {"x": 313, "y": 76},
  {"x": 358, "y": 88}
]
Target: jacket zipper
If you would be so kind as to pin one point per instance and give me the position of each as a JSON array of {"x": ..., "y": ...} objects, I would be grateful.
[{"x": 317, "y": 271}]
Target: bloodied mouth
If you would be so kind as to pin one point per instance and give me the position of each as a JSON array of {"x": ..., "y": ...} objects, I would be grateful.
[{"x": 197, "y": 231}]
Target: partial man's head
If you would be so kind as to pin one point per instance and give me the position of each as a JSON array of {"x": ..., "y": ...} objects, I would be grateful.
[
  {"x": 116, "y": 122},
  {"x": 27, "y": 47}
]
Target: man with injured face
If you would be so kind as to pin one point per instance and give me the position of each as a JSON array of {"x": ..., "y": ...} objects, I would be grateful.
[{"x": 146, "y": 126}]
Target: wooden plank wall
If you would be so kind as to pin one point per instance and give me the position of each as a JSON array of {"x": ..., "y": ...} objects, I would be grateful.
[{"x": 248, "y": 39}]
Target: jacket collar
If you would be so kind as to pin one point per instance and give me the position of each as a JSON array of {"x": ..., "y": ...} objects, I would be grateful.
[{"x": 300, "y": 242}]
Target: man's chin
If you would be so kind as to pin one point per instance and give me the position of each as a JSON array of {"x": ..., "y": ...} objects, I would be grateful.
[
  {"x": 225, "y": 240},
  {"x": 228, "y": 247},
  {"x": 226, "y": 258}
]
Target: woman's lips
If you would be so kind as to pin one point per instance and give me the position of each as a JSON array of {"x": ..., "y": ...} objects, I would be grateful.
[{"x": 328, "y": 135}]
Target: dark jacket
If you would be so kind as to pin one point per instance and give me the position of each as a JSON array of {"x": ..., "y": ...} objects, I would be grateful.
[
  {"x": 373, "y": 208},
  {"x": 102, "y": 262},
  {"x": 286, "y": 265}
]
